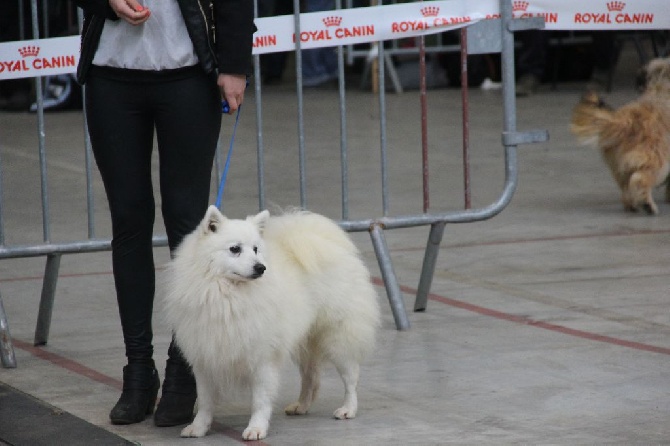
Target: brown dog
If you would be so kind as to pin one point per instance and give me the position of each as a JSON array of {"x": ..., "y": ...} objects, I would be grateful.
[{"x": 634, "y": 139}]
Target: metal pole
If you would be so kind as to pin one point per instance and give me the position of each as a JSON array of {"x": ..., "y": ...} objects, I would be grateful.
[
  {"x": 260, "y": 167},
  {"x": 47, "y": 300},
  {"x": 88, "y": 155},
  {"x": 466, "y": 117},
  {"x": 344, "y": 152},
  {"x": 424, "y": 123},
  {"x": 301, "y": 119},
  {"x": 40, "y": 134},
  {"x": 507, "y": 68},
  {"x": 390, "y": 279},
  {"x": 382, "y": 126},
  {"x": 6, "y": 348}
]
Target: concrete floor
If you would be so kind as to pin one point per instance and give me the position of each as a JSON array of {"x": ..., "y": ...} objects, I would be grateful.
[{"x": 547, "y": 324}]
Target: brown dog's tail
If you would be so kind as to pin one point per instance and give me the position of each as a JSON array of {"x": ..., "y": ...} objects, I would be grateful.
[{"x": 589, "y": 117}]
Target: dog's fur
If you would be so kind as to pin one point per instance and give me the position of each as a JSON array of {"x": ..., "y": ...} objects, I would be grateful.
[
  {"x": 634, "y": 139},
  {"x": 236, "y": 321}
]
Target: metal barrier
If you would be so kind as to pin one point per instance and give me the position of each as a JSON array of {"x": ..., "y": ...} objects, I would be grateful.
[{"x": 484, "y": 37}]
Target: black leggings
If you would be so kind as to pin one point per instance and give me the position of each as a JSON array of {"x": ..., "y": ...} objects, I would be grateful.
[{"x": 185, "y": 113}]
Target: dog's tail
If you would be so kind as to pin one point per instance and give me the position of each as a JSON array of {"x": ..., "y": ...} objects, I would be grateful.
[
  {"x": 312, "y": 240},
  {"x": 590, "y": 117}
]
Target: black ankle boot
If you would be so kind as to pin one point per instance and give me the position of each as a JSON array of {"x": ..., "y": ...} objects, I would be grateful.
[
  {"x": 176, "y": 404},
  {"x": 140, "y": 389}
]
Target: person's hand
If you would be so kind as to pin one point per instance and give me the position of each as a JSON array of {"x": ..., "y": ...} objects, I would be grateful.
[
  {"x": 232, "y": 88},
  {"x": 130, "y": 11}
]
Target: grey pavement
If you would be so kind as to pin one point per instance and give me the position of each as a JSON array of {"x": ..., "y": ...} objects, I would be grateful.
[{"x": 547, "y": 324}]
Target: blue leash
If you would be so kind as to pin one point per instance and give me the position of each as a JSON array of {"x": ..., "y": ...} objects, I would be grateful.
[{"x": 225, "y": 108}]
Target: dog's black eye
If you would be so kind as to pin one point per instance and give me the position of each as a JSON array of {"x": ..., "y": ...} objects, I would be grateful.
[
  {"x": 212, "y": 227},
  {"x": 255, "y": 249},
  {"x": 235, "y": 249}
]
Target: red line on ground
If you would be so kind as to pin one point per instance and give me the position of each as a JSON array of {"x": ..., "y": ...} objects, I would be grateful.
[
  {"x": 539, "y": 324},
  {"x": 71, "y": 275},
  {"x": 68, "y": 364},
  {"x": 94, "y": 375},
  {"x": 80, "y": 369}
]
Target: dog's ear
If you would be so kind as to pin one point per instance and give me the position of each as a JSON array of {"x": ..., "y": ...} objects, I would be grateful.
[
  {"x": 213, "y": 220},
  {"x": 260, "y": 219},
  {"x": 656, "y": 72}
]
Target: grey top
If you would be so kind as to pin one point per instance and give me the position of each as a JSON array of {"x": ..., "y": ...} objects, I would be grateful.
[{"x": 160, "y": 43}]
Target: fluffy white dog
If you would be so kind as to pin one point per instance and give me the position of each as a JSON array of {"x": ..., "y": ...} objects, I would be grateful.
[{"x": 242, "y": 295}]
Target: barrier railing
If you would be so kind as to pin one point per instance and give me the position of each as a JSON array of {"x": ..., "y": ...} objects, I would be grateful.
[{"x": 487, "y": 36}]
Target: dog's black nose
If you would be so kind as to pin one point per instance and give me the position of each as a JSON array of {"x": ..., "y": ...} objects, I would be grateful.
[{"x": 259, "y": 269}]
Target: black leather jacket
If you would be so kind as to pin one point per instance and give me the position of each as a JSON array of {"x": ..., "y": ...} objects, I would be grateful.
[{"x": 221, "y": 32}]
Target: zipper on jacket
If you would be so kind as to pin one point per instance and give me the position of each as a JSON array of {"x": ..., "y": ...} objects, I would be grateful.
[
  {"x": 209, "y": 27},
  {"x": 211, "y": 15}
]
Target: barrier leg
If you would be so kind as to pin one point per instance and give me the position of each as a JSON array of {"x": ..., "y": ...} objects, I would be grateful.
[
  {"x": 428, "y": 268},
  {"x": 6, "y": 348},
  {"x": 390, "y": 279},
  {"x": 47, "y": 300},
  {"x": 388, "y": 67}
]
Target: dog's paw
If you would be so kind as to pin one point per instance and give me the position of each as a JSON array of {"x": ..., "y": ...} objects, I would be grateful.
[
  {"x": 194, "y": 431},
  {"x": 295, "y": 409},
  {"x": 650, "y": 208},
  {"x": 252, "y": 433},
  {"x": 344, "y": 413}
]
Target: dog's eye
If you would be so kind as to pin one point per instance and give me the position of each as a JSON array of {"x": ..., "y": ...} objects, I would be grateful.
[
  {"x": 255, "y": 249},
  {"x": 235, "y": 249}
]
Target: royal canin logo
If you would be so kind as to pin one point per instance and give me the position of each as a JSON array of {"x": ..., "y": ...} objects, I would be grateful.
[
  {"x": 430, "y": 11},
  {"x": 520, "y": 11},
  {"x": 615, "y": 15},
  {"x": 332, "y": 21},
  {"x": 29, "y": 51},
  {"x": 29, "y": 61},
  {"x": 615, "y": 6},
  {"x": 335, "y": 30},
  {"x": 519, "y": 5},
  {"x": 265, "y": 41},
  {"x": 430, "y": 18}
]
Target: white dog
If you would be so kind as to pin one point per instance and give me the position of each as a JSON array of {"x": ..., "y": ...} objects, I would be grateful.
[{"x": 244, "y": 294}]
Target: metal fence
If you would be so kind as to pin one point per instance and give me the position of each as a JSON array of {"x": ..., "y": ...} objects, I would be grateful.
[{"x": 484, "y": 37}]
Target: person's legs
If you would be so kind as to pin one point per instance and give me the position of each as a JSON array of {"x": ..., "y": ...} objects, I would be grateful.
[
  {"x": 319, "y": 65},
  {"x": 532, "y": 56},
  {"x": 187, "y": 128},
  {"x": 188, "y": 121},
  {"x": 273, "y": 64},
  {"x": 532, "y": 60},
  {"x": 605, "y": 56},
  {"x": 121, "y": 130}
]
